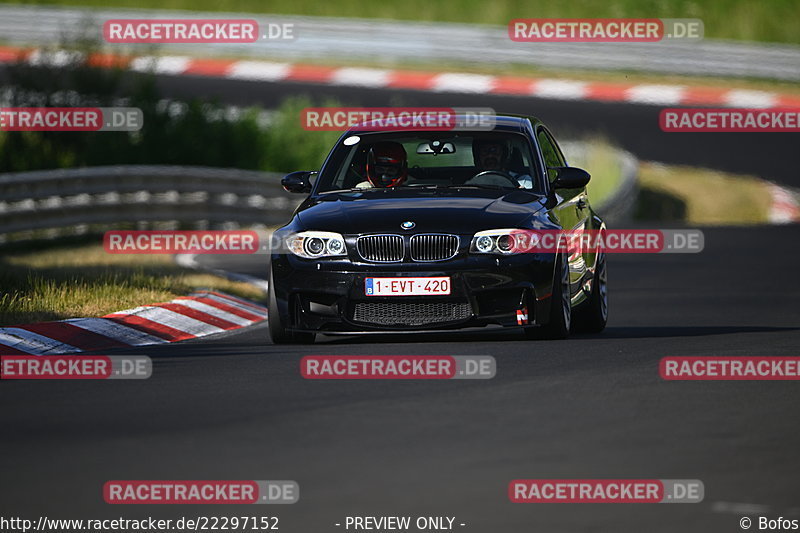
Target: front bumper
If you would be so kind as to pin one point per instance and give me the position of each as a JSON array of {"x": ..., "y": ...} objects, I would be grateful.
[{"x": 329, "y": 295}]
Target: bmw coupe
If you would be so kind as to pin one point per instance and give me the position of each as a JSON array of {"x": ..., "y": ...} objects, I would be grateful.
[{"x": 411, "y": 231}]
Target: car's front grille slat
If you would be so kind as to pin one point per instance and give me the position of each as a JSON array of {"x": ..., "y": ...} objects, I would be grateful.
[
  {"x": 391, "y": 248},
  {"x": 381, "y": 248},
  {"x": 433, "y": 247},
  {"x": 410, "y": 313}
]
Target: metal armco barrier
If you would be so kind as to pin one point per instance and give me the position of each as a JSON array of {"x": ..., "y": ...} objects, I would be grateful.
[
  {"x": 52, "y": 203},
  {"x": 365, "y": 39}
]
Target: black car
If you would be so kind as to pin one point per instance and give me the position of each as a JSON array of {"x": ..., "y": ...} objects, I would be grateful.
[{"x": 408, "y": 231}]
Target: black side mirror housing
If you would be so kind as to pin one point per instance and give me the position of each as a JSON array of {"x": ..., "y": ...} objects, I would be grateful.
[
  {"x": 298, "y": 182},
  {"x": 571, "y": 178}
]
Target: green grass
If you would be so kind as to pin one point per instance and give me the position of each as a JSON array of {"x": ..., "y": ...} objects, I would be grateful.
[
  {"x": 84, "y": 281},
  {"x": 600, "y": 158},
  {"x": 769, "y": 21},
  {"x": 701, "y": 197}
]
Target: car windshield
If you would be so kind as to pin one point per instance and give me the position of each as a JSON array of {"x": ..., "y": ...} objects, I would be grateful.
[{"x": 491, "y": 160}]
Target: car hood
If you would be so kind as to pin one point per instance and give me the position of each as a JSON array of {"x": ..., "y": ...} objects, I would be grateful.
[{"x": 450, "y": 211}]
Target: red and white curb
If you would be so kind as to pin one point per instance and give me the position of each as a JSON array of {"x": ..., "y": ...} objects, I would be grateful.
[
  {"x": 188, "y": 317},
  {"x": 785, "y": 208},
  {"x": 453, "y": 82}
]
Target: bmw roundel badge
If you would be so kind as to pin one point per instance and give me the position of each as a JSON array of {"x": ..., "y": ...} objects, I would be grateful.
[{"x": 407, "y": 225}]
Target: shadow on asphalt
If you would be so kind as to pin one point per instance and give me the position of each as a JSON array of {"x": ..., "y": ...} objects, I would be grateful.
[
  {"x": 263, "y": 347},
  {"x": 644, "y": 332},
  {"x": 628, "y": 332}
]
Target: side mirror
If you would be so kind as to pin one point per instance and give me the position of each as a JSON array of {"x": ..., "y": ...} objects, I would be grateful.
[
  {"x": 299, "y": 182},
  {"x": 571, "y": 178}
]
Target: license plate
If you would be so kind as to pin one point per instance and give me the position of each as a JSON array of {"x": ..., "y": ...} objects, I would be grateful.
[{"x": 407, "y": 286}]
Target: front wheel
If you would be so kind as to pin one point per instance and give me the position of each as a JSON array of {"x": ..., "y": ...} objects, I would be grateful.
[
  {"x": 560, "y": 308},
  {"x": 592, "y": 315},
  {"x": 277, "y": 331}
]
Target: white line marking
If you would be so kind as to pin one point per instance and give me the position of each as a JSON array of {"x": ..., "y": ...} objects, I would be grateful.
[
  {"x": 214, "y": 311},
  {"x": 59, "y": 58},
  {"x": 361, "y": 77},
  {"x": 744, "y": 98},
  {"x": 655, "y": 94},
  {"x": 161, "y": 65},
  {"x": 463, "y": 83},
  {"x": 563, "y": 89},
  {"x": 784, "y": 209},
  {"x": 174, "y": 320},
  {"x": 259, "y": 70},
  {"x": 33, "y": 343},
  {"x": 260, "y": 310},
  {"x": 116, "y": 331}
]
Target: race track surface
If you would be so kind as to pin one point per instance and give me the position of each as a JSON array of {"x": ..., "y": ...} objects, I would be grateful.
[{"x": 235, "y": 407}]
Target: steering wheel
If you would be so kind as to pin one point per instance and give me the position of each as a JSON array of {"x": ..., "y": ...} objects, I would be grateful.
[{"x": 499, "y": 173}]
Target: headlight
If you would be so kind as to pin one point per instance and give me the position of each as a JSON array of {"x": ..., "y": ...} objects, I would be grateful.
[
  {"x": 314, "y": 244},
  {"x": 499, "y": 241}
]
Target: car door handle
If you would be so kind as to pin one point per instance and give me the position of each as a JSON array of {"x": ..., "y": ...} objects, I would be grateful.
[{"x": 582, "y": 204}]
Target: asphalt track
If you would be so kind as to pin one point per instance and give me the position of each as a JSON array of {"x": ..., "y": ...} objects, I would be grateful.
[{"x": 235, "y": 407}]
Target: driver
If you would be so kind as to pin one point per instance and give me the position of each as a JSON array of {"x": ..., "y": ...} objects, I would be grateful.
[
  {"x": 387, "y": 165},
  {"x": 490, "y": 154}
]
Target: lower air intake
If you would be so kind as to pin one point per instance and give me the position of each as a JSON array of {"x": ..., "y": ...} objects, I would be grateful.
[{"x": 410, "y": 314}]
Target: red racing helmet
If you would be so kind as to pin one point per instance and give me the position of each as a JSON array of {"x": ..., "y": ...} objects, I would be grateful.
[{"x": 387, "y": 164}]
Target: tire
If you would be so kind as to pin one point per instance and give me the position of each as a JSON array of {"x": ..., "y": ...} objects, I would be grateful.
[
  {"x": 558, "y": 325},
  {"x": 591, "y": 316},
  {"x": 277, "y": 331}
]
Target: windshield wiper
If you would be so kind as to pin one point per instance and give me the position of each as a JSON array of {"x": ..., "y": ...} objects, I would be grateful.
[
  {"x": 475, "y": 186},
  {"x": 481, "y": 186},
  {"x": 423, "y": 187},
  {"x": 354, "y": 189}
]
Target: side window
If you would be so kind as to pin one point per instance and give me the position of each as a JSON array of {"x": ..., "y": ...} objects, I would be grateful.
[{"x": 550, "y": 151}]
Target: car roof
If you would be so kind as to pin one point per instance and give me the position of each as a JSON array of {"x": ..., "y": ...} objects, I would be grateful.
[{"x": 504, "y": 122}]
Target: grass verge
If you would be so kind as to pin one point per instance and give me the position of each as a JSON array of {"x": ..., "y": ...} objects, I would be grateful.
[
  {"x": 701, "y": 197},
  {"x": 601, "y": 159},
  {"x": 84, "y": 281}
]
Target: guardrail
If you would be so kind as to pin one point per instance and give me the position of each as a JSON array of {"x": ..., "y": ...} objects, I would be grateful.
[
  {"x": 377, "y": 40},
  {"x": 53, "y": 203}
]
